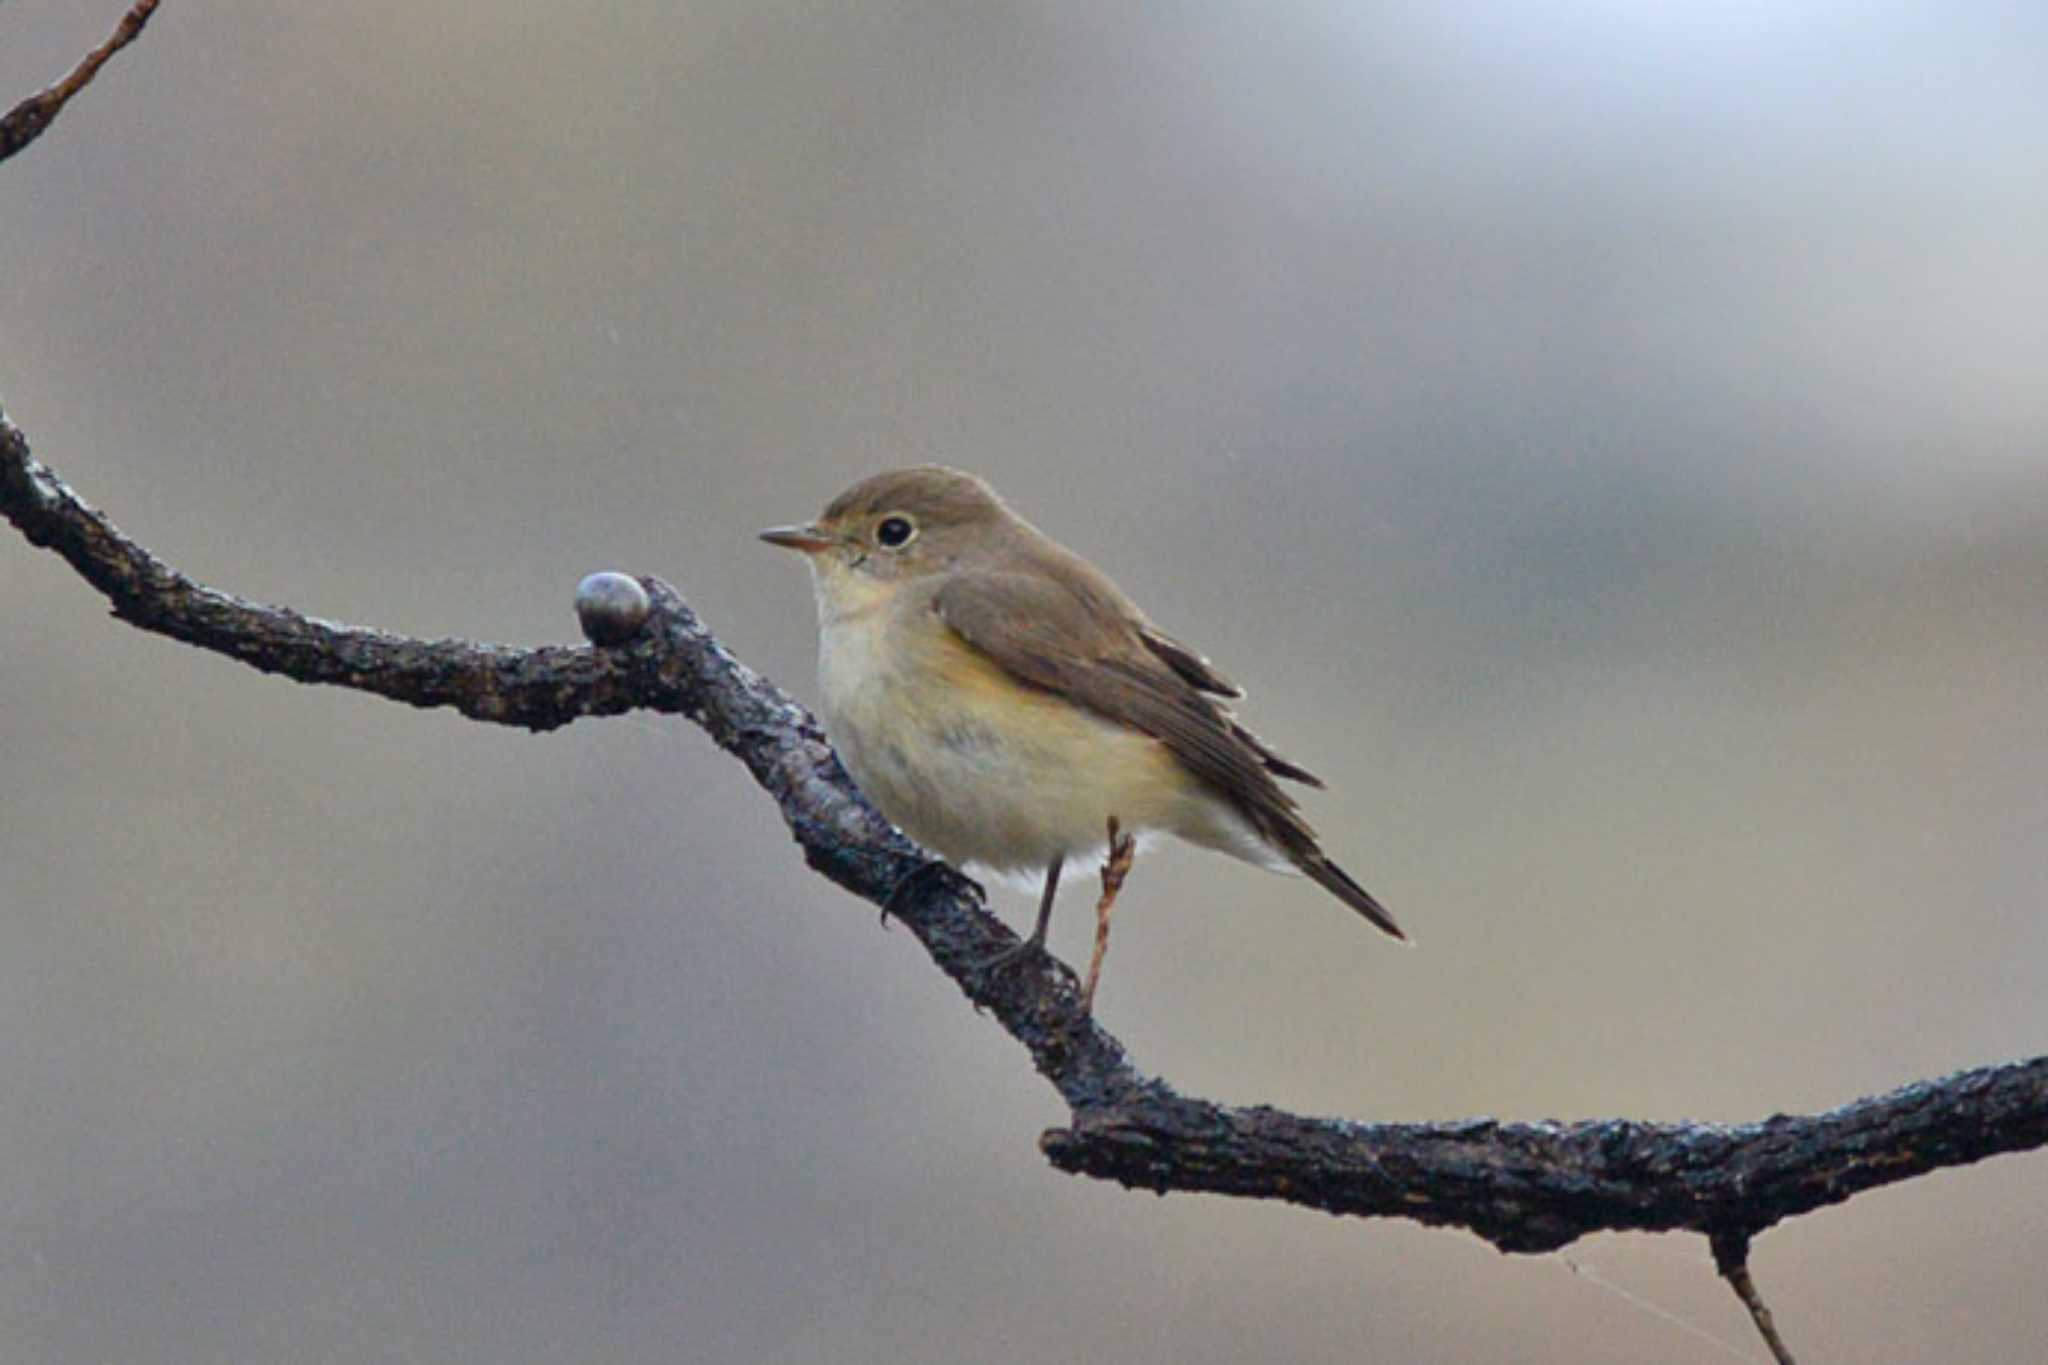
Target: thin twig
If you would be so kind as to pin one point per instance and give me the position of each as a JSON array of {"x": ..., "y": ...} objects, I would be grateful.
[
  {"x": 1731, "y": 1258},
  {"x": 1116, "y": 865},
  {"x": 25, "y": 122}
]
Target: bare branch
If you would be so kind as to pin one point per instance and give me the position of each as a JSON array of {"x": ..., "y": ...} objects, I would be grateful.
[
  {"x": 1539, "y": 1186},
  {"x": 25, "y": 122},
  {"x": 1524, "y": 1187},
  {"x": 1731, "y": 1258}
]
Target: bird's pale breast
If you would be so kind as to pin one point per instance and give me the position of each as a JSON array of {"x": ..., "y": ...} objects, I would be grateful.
[{"x": 983, "y": 768}]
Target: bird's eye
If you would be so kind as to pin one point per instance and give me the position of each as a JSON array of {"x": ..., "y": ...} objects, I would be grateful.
[{"x": 894, "y": 532}]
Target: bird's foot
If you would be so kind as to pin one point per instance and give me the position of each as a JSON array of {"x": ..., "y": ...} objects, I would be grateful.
[
  {"x": 1013, "y": 956},
  {"x": 914, "y": 882},
  {"x": 1029, "y": 952}
]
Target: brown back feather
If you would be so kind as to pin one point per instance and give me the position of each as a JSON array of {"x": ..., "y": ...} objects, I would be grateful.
[{"x": 1102, "y": 660}]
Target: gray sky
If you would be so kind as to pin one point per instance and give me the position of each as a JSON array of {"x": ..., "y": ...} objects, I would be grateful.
[{"x": 1608, "y": 440}]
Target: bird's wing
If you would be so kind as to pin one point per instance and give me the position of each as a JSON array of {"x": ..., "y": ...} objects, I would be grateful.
[
  {"x": 1198, "y": 671},
  {"x": 1114, "y": 664},
  {"x": 1103, "y": 660}
]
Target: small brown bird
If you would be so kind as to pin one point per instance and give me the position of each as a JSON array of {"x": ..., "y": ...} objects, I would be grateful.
[{"x": 1000, "y": 700}]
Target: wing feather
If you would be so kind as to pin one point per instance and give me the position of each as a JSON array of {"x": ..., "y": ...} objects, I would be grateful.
[
  {"x": 1106, "y": 658},
  {"x": 1101, "y": 658}
]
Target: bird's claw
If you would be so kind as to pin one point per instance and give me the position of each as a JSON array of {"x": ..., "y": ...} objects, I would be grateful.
[
  {"x": 1020, "y": 954},
  {"x": 914, "y": 880}
]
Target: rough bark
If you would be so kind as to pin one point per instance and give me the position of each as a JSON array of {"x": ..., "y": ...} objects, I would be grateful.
[
  {"x": 1524, "y": 1187},
  {"x": 25, "y": 122}
]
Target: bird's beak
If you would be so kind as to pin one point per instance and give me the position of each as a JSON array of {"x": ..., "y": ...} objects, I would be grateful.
[{"x": 808, "y": 539}]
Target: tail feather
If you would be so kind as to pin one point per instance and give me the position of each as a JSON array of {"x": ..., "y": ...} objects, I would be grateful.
[{"x": 1338, "y": 883}]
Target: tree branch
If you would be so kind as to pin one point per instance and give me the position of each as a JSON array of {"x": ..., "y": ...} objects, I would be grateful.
[
  {"x": 1525, "y": 1187},
  {"x": 1731, "y": 1258},
  {"x": 25, "y": 122}
]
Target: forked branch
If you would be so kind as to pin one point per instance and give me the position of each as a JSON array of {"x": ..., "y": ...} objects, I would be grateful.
[{"x": 1521, "y": 1186}]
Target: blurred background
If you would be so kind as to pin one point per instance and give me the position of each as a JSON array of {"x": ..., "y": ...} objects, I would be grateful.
[{"x": 1609, "y": 441}]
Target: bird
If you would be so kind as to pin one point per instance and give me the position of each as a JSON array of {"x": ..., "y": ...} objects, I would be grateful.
[{"x": 1001, "y": 701}]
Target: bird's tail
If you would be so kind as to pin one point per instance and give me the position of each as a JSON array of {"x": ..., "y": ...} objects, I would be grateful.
[{"x": 1338, "y": 883}]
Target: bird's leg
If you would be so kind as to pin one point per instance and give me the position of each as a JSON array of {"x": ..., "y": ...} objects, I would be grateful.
[
  {"x": 1036, "y": 943},
  {"x": 1052, "y": 886},
  {"x": 1122, "y": 852}
]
